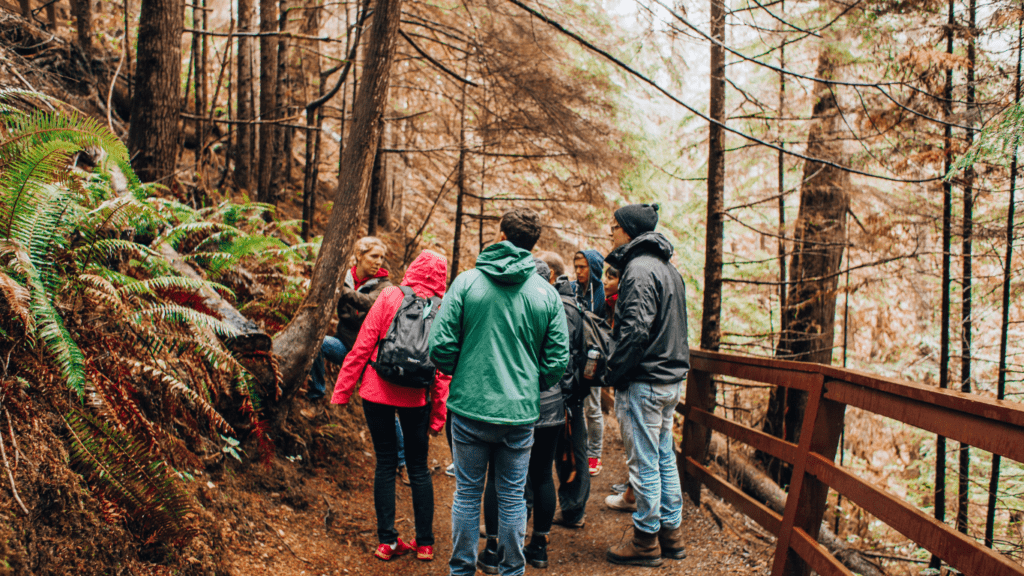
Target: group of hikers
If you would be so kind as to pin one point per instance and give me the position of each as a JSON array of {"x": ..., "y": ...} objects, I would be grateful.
[{"x": 509, "y": 361}]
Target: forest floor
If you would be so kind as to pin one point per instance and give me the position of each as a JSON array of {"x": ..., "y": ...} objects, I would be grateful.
[{"x": 274, "y": 523}]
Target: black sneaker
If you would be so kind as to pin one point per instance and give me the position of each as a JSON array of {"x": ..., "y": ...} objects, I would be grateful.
[
  {"x": 536, "y": 555},
  {"x": 487, "y": 561},
  {"x": 574, "y": 523}
]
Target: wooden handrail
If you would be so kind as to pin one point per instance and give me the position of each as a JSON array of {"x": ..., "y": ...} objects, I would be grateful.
[{"x": 993, "y": 425}]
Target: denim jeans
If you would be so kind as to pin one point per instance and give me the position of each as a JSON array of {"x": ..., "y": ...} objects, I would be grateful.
[
  {"x": 539, "y": 482},
  {"x": 621, "y": 414},
  {"x": 571, "y": 456},
  {"x": 595, "y": 423},
  {"x": 659, "y": 498},
  {"x": 333, "y": 350},
  {"x": 380, "y": 418},
  {"x": 475, "y": 443}
]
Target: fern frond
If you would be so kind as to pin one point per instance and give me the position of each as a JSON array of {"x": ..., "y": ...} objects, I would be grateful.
[
  {"x": 18, "y": 300},
  {"x": 108, "y": 247},
  {"x": 98, "y": 282},
  {"x": 182, "y": 315},
  {"x": 121, "y": 467},
  {"x": 184, "y": 390},
  {"x": 151, "y": 286},
  {"x": 175, "y": 235},
  {"x": 24, "y": 184},
  {"x": 55, "y": 337}
]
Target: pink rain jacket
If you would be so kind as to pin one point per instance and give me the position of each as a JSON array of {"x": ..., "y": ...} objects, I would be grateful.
[{"x": 426, "y": 276}]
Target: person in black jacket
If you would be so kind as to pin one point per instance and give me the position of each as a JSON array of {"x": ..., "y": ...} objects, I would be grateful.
[{"x": 647, "y": 364}]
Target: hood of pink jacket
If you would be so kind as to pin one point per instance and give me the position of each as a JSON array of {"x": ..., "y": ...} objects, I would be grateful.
[{"x": 427, "y": 275}]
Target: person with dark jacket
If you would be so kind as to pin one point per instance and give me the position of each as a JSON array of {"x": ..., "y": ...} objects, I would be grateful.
[
  {"x": 363, "y": 284},
  {"x": 572, "y": 466},
  {"x": 647, "y": 364},
  {"x": 589, "y": 265}
]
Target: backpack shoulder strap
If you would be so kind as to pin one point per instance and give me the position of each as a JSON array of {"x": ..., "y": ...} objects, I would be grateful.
[{"x": 407, "y": 291}]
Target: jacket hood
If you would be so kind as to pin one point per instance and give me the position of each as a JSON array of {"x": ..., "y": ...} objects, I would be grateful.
[
  {"x": 427, "y": 275},
  {"x": 506, "y": 264},
  {"x": 563, "y": 286},
  {"x": 653, "y": 243},
  {"x": 596, "y": 262}
]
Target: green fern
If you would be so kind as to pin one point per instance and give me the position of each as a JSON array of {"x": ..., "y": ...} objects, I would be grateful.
[{"x": 121, "y": 468}]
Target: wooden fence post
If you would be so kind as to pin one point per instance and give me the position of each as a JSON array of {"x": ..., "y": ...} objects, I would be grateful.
[{"x": 695, "y": 436}]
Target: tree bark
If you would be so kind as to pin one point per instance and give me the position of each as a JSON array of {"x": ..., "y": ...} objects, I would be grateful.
[
  {"x": 820, "y": 236},
  {"x": 377, "y": 182},
  {"x": 711, "y": 322},
  {"x": 153, "y": 135},
  {"x": 268, "y": 91},
  {"x": 284, "y": 89},
  {"x": 245, "y": 134},
  {"x": 82, "y": 9},
  {"x": 299, "y": 342}
]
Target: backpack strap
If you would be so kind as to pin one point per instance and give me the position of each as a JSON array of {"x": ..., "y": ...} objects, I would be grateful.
[{"x": 407, "y": 291}]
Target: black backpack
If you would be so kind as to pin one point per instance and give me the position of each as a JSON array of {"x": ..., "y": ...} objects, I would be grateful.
[
  {"x": 596, "y": 337},
  {"x": 403, "y": 355}
]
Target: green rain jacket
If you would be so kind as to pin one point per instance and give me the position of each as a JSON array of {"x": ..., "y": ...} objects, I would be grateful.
[{"x": 501, "y": 334}]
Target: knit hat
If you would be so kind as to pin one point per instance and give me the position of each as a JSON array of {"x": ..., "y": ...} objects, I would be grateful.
[{"x": 636, "y": 219}]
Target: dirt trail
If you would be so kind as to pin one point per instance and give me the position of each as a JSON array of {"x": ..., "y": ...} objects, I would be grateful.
[{"x": 282, "y": 533}]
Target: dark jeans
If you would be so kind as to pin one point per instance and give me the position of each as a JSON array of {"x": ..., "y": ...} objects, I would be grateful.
[
  {"x": 540, "y": 482},
  {"x": 380, "y": 418},
  {"x": 573, "y": 496}
]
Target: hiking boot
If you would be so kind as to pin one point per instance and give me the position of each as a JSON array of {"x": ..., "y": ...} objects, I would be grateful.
[
  {"x": 619, "y": 502},
  {"x": 536, "y": 552},
  {"x": 641, "y": 550},
  {"x": 671, "y": 542},
  {"x": 403, "y": 475},
  {"x": 487, "y": 561},
  {"x": 575, "y": 524}
]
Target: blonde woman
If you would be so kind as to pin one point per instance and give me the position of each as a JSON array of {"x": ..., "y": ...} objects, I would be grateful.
[{"x": 364, "y": 282}]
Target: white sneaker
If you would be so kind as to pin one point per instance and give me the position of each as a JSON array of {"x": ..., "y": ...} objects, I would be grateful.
[
  {"x": 450, "y": 470},
  {"x": 619, "y": 502}
]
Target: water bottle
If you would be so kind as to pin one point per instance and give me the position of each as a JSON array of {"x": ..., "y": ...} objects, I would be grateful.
[{"x": 593, "y": 355}]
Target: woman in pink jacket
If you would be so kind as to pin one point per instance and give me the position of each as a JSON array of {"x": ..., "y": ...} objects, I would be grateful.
[{"x": 418, "y": 411}]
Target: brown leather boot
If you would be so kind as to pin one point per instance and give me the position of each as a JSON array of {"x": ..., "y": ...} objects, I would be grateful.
[
  {"x": 671, "y": 542},
  {"x": 642, "y": 550}
]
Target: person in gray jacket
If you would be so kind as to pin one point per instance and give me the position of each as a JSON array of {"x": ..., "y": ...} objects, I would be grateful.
[{"x": 647, "y": 364}]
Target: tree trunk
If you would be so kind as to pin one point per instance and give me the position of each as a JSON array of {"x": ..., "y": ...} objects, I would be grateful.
[
  {"x": 153, "y": 135},
  {"x": 82, "y": 9},
  {"x": 26, "y": 8},
  {"x": 284, "y": 90},
  {"x": 268, "y": 91},
  {"x": 820, "y": 235},
  {"x": 711, "y": 322},
  {"x": 964, "y": 471},
  {"x": 782, "y": 181},
  {"x": 376, "y": 188},
  {"x": 947, "y": 233},
  {"x": 460, "y": 184},
  {"x": 299, "y": 342},
  {"x": 245, "y": 143},
  {"x": 993, "y": 486}
]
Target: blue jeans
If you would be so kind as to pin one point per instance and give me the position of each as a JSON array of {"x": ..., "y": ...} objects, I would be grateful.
[
  {"x": 476, "y": 443},
  {"x": 333, "y": 350},
  {"x": 659, "y": 498},
  {"x": 621, "y": 414}
]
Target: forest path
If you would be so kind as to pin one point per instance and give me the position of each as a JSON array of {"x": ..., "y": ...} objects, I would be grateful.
[{"x": 718, "y": 540}]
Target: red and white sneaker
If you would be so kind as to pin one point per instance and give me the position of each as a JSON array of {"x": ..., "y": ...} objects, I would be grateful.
[
  {"x": 425, "y": 553},
  {"x": 387, "y": 551},
  {"x": 595, "y": 466}
]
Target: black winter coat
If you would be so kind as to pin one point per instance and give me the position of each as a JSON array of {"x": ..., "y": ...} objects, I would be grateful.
[{"x": 649, "y": 339}]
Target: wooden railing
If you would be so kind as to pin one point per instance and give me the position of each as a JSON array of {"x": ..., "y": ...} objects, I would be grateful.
[{"x": 991, "y": 425}]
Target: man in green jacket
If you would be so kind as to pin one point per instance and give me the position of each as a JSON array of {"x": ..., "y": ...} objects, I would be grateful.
[{"x": 501, "y": 334}]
